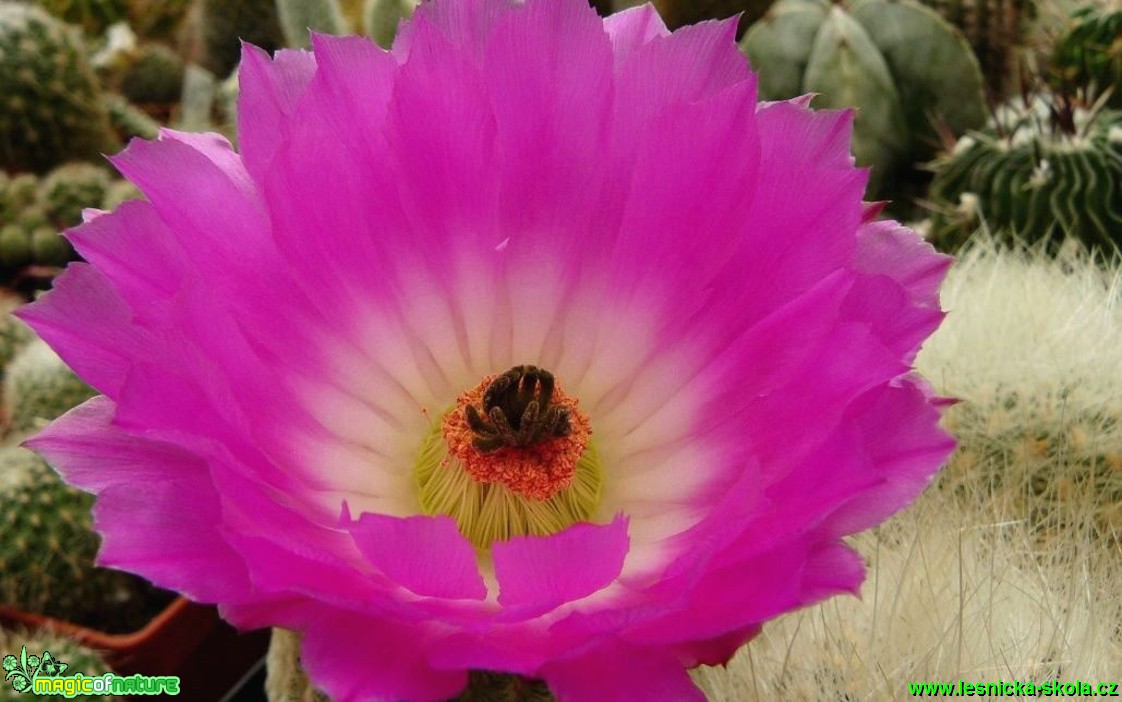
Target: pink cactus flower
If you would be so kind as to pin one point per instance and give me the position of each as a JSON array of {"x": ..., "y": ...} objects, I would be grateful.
[{"x": 534, "y": 345}]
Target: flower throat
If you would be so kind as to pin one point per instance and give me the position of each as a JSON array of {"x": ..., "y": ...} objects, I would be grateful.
[{"x": 513, "y": 457}]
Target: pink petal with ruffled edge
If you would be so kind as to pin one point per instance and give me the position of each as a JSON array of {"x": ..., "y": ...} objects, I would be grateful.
[{"x": 513, "y": 183}]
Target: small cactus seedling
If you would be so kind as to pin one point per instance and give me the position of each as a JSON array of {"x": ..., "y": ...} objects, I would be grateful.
[
  {"x": 50, "y": 106},
  {"x": 1044, "y": 168},
  {"x": 899, "y": 63}
]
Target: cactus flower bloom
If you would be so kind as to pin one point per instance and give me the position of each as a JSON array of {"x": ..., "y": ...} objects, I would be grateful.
[{"x": 534, "y": 345}]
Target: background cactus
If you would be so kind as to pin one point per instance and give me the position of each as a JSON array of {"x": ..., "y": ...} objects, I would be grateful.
[
  {"x": 299, "y": 16},
  {"x": 78, "y": 659},
  {"x": 381, "y": 17},
  {"x": 50, "y": 107},
  {"x": 128, "y": 120},
  {"x": 1042, "y": 169},
  {"x": 39, "y": 387},
  {"x": 153, "y": 76},
  {"x": 14, "y": 334},
  {"x": 995, "y": 30},
  {"x": 94, "y": 16},
  {"x": 47, "y": 547},
  {"x": 1030, "y": 348},
  {"x": 1090, "y": 53},
  {"x": 224, "y": 23},
  {"x": 895, "y": 60}
]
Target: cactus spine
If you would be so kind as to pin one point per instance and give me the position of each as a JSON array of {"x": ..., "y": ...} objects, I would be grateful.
[
  {"x": 50, "y": 107},
  {"x": 895, "y": 60},
  {"x": 1042, "y": 169},
  {"x": 1090, "y": 54}
]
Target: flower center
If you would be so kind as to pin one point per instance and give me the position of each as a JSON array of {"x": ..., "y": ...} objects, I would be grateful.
[{"x": 513, "y": 457}]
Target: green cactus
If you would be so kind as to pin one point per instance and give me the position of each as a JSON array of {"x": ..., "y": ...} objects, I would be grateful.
[
  {"x": 897, "y": 61},
  {"x": 1090, "y": 54},
  {"x": 128, "y": 120},
  {"x": 52, "y": 654},
  {"x": 47, "y": 543},
  {"x": 93, "y": 16},
  {"x": 224, "y": 22},
  {"x": 17, "y": 193},
  {"x": 995, "y": 30},
  {"x": 14, "y": 334},
  {"x": 299, "y": 16},
  {"x": 69, "y": 189},
  {"x": 1040, "y": 170},
  {"x": 381, "y": 17},
  {"x": 39, "y": 387},
  {"x": 120, "y": 191},
  {"x": 154, "y": 75},
  {"x": 50, "y": 109}
]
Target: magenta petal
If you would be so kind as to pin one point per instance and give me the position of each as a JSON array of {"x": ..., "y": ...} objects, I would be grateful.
[
  {"x": 268, "y": 93},
  {"x": 426, "y": 555},
  {"x": 630, "y": 29},
  {"x": 357, "y": 659},
  {"x": 621, "y": 673},
  {"x": 545, "y": 571},
  {"x": 99, "y": 351},
  {"x": 156, "y": 506}
]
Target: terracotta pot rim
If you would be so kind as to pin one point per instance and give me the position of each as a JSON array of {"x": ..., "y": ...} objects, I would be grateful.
[{"x": 96, "y": 638}]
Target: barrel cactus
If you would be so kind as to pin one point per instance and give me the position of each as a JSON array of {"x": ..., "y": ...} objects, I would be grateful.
[
  {"x": 1090, "y": 53},
  {"x": 903, "y": 66},
  {"x": 50, "y": 107},
  {"x": 1042, "y": 169},
  {"x": 995, "y": 30},
  {"x": 14, "y": 334}
]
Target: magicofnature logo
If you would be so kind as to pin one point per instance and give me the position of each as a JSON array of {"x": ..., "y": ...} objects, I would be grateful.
[{"x": 43, "y": 675}]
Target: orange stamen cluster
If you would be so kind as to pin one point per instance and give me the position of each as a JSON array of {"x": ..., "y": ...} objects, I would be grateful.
[{"x": 537, "y": 471}]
